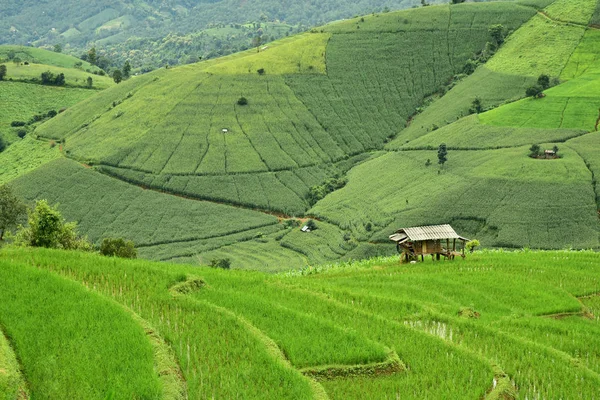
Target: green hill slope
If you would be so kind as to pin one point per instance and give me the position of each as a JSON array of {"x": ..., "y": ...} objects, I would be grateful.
[
  {"x": 491, "y": 326},
  {"x": 27, "y": 103},
  {"x": 335, "y": 107}
]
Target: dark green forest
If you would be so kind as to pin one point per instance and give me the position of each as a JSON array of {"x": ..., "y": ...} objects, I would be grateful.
[{"x": 153, "y": 33}]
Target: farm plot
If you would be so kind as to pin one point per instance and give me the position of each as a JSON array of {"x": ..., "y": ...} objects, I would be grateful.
[
  {"x": 220, "y": 354},
  {"x": 375, "y": 82},
  {"x": 469, "y": 133},
  {"x": 540, "y": 46},
  {"x": 89, "y": 348},
  {"x": 41, "y": 56},
  {"x": 502, "y": 197},
  {"x": 12, "y": 384},
  {"x": 73, "y": 77},
  {"x": 25, "y": 156},
  {"x": 588, "y": 148},
  {"x": 573, "y": 105},
  {"x": 584, "y": 58},
  {"x": 108, "y": 207},
  {"x": 21, "y": 101},
  {"x": 492, "y": 88},
  {"x": 575, "y": 11},
  {"x": 478, "y": 328}
]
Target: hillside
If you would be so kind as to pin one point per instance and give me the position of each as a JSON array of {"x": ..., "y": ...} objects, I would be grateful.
[
  {"x": 27, "y": 103},
  {"x": 356, "y": 107},
  {"x": 497, "y": 325}
]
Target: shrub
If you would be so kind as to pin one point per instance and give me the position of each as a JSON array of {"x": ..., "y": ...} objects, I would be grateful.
[
  {"x": 18, "y": 123},
  {"x": 21, "y": 133},
  {"x": 223, "y": 263},
  {"x": 470, "y": 246},
  {"x": 2, "y": 145},
  {"x": 311, "y": 224},
  {"x": 47, "y": 228},
  {"x": 534, "y": 150},
  {"x": 261, "y": 71},
  {"x": 544, "y": 81},
  {"x": 51, "y": 114},
  {"x": 118, "y": 248},
  {"x": 534, "y": 91},
  {"x": 242, "y": 101}
]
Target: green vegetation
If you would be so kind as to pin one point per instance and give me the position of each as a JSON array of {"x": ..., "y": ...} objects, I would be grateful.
[
  {"x": 12, "y": 384},
  {"x": 575, "y": 11},
  {"x": 89, "y": 348},
  {"x": 118, "y": 248},
  {"x": 476, "y": 193},
  {"x": 491, "y": 324},
  {"x": 34, "y": 55},
  {"x": 73, "y": 77}
]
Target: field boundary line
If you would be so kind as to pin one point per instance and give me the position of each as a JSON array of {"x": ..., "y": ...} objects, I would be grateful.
[
  {"x": 271, "y": 347},
  {"x": 18, "y": 376}
]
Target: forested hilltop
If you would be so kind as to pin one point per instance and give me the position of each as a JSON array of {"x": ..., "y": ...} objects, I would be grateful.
[{"x": 152, "y": 33}]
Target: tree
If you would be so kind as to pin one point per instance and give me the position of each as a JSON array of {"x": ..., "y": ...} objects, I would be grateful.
[
  {"x": 58, "y": 48},
  {"x": 471, "y": 244},
  {"x": 118, "y": 248},
  {"x": 90, "y": 82},
  {"x": 311, "y": 224},
  {"x": 457, "y": 1},
  {"x": 534, "y": 150},
  {"x": 242, "y": 101},
  {"x": 2, "y": 72},
  {"x": 126, "y": 70},
  {"x": 497, "y": 33},
  {"x": 544, "y": 81},
  {"x": 223, "y": 263},
  {"x": 59, "y": 80},
  {"x": 47, "y": 228},
  {"x": 117, "y": 76},
  {"x": 534, "y": 91},
  {"x": 11, "y": 209},
  {"x": 92, "y": 57},
  {"x": 476, "y": 106},
  {"x": 2, "y": 144},
  {"x": 555, "y": 150},
  {"x": 442, "y": 154}
]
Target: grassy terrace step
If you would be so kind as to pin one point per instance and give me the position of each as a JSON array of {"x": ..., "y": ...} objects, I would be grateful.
[
  {"x": 73, "y": 343},
  {"x": 473, "y": 192},
  {"x": 236, "y": 329},
  {"x": 12, "y": 384}
]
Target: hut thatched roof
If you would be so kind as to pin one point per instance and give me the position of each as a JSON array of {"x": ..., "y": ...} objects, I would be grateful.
[{"x": 420, "y": 233}]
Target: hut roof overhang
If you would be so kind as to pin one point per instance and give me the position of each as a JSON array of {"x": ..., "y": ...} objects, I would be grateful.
[{"x": 421, "y": 233}]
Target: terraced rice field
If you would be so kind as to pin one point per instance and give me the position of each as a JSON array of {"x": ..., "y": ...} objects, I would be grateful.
[{"x": 496, "y": 325}]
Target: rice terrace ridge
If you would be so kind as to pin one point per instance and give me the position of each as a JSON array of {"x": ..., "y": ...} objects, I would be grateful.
[{"x": 390, "y": 199}]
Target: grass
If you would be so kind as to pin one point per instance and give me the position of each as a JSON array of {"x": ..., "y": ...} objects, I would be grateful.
[
  {"x": 540, "y": 46},
  {"x": 73, "y": 77},
  {"x": 90, "y": 348},
  {"x": 41, "y": 56},
  {"x": 469, "y": 133},
  {"x": 293, "y": 132},
  {"x": 164, "y": 131},
  {"x": 259, "y": 329},
  {"x": 24, "y": 156},
  {"x": 104, "y": 206},
  {"x": 12, "y": 384},
  {"x": 572, "y": 105},
  {"x": 584, "y": 57},
  {"x": 501, "y": 197},
  {"x": 23, "y": 101},
  {"x": 578, "y": 11},
  {"x": 303, "y": 54}
]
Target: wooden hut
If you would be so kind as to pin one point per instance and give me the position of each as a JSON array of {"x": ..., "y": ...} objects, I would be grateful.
[{"x": 435, "y": 240}]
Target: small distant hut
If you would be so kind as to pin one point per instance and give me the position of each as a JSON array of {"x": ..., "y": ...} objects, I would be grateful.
[
  {"x": 434, "y": 240},
  {"x": 549, "y": 154}
]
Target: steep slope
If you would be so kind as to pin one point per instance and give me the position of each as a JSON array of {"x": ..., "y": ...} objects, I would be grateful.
[
  {"x": 530, "y": 328},
  {"x": 319, "y": 105}
]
